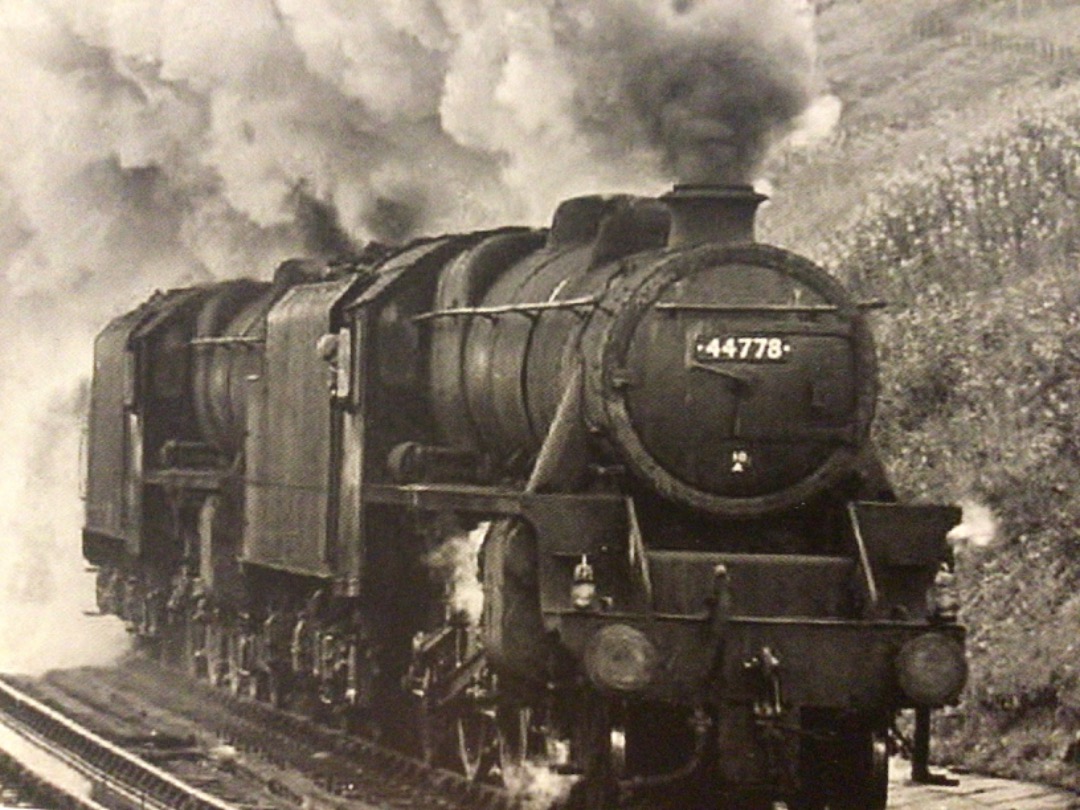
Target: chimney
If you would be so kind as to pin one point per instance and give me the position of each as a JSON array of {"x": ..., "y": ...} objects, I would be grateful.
[{"x": 709, "y": 213}]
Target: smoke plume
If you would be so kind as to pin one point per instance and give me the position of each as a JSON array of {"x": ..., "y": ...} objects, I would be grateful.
[{"x": 154, "y": 143}]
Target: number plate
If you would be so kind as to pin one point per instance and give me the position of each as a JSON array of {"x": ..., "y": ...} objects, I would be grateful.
[{"x": 741, "y": 349}]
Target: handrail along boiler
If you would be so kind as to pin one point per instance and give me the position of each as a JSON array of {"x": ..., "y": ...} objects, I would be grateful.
[{"x": 656, "y": 430}]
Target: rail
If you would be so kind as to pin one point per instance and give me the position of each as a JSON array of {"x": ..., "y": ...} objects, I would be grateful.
[{"x": 101, "y": 762}]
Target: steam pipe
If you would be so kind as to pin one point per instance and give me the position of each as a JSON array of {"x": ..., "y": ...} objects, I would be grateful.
[{"x": 711, "y": 213}]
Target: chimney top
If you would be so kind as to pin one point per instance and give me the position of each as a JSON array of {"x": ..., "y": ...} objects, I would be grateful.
[{"x": 711, "y": 213}]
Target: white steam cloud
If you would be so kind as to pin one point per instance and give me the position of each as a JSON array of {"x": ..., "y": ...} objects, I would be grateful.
[
  {"x": 155, "y": 143},
  {"x": 457, "y": 561},
  {"x": 537, "y": 786},
  {"x": 816, "y": 124},
  {"x": 978, "y": 527}
]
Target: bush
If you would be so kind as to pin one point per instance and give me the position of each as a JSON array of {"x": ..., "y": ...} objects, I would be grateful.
[
  {"x": 980, "y": 392},
  {"x": 973, "y": 223}
]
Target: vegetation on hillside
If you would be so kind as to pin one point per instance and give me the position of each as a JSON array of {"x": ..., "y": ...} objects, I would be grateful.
[
  {"x": 951, "y": 188},
  {"x": 975, "y": 223},
  {"x": 916, "y": 79},
  {"x": 979, "y": 257}
]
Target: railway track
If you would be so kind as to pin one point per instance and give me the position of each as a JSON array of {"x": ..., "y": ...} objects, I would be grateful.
[
  {"x": 287, "y": 761},
  {"x": 22, "y": 787},
  {"x": 72, "y": 767},
  {"x": 342, "y": 765}
]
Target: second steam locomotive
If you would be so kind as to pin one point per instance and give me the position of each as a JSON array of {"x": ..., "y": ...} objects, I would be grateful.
[{"x": 647, "y": 436}]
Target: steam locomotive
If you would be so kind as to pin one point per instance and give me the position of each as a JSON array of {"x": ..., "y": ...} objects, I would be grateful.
[{"x": 642, "y": 436}]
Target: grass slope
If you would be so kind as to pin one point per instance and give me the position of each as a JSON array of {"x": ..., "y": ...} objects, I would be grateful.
[
  {"x": 952, "y": 189},
  {"x": 919, "y": 80},
  {"x": 981, "y": 403}
]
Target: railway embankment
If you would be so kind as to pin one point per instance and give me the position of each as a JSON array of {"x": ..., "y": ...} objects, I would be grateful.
[
  {"x": 979, "y": 257},
  {"x": 949, "y": 185}
]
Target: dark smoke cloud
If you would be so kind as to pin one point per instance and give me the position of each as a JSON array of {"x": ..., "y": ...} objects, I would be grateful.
[
  {"x": 459, "y": 113},
  {"x": 632, "y": 94},
  {"x": 708, "y": 86},
  {"x": 318, "y": 223}
]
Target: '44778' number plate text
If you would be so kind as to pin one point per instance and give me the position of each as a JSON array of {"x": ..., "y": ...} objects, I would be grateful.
[{"x": 741, "y": 349}]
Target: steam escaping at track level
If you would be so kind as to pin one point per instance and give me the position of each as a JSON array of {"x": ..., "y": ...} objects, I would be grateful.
[{"x": 42, "y": 588}]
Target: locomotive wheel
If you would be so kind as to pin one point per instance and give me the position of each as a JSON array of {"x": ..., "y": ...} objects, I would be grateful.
[
  {"x": 867, "y": 762},
  {"x": 478, "y": 746},
  {"x": 275, "y": 686},
  {"x": 430, "y": 727},
  {"x": 522, "y": 743},
  {"x": 247, "y": 685},
  {"x": 174, "y": 645},
  {"x": 515, "y": 736},
  {"x": 511, "y": 744},
  {"x": 217, "y": 654},
  {"x": 243, "y": 678},
  {"x": 236, "y": 679},
  {"x": 194, "y": 649},
  {"x": 430, "y": 738}
]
